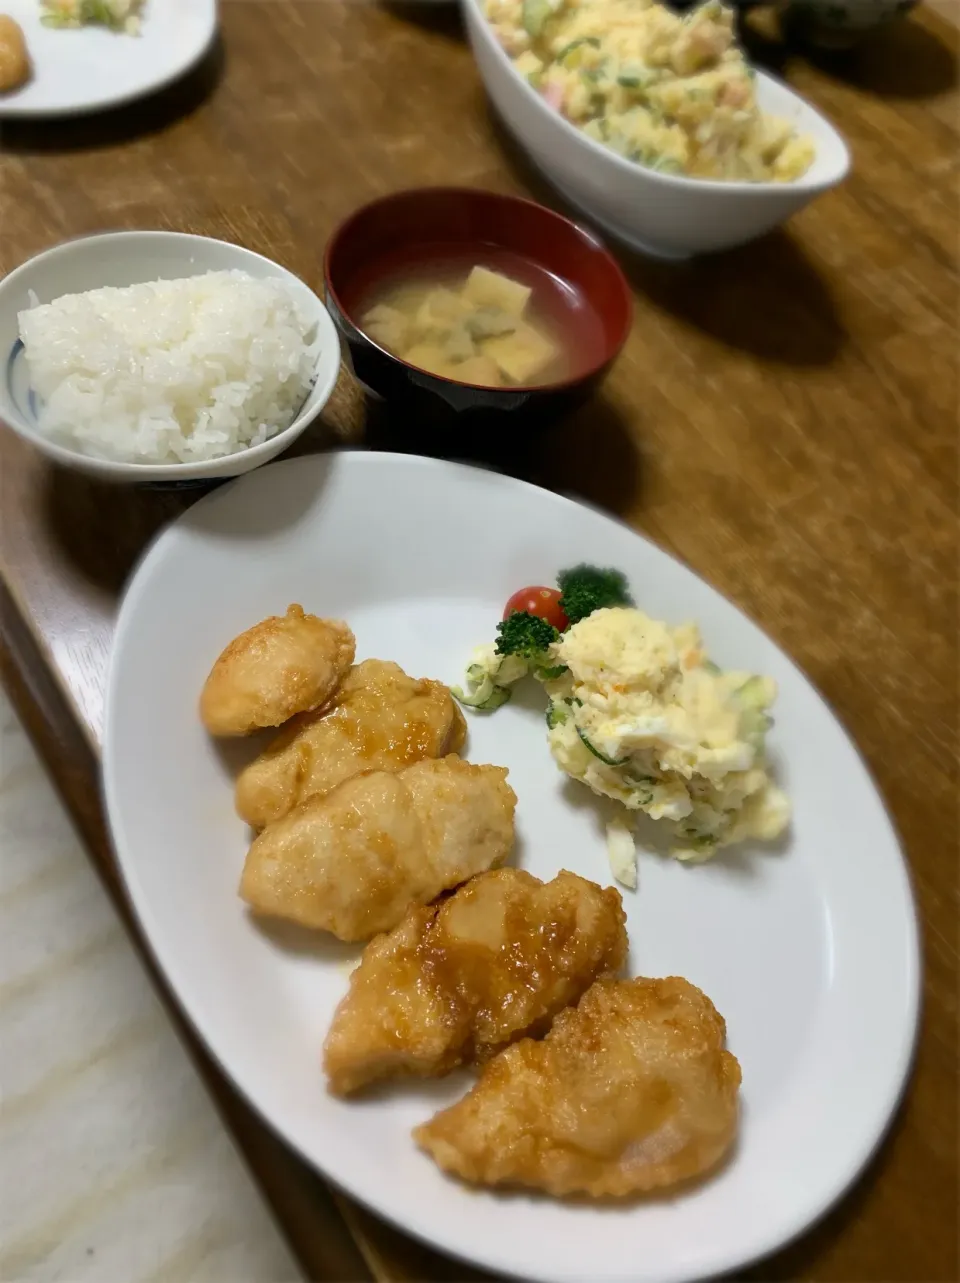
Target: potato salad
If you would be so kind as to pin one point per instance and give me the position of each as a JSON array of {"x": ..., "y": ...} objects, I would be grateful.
[
  {"x": 638, "y": 713},
  {"x": 642, "y": 716},
  {"x": 671, "y": 92},
  {"x": 118, "y": 15}
]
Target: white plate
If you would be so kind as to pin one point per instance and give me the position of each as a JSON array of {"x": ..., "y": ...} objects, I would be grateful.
[
  {"x": 90, "y": 69},
  {"x": 810, "y": 952}
]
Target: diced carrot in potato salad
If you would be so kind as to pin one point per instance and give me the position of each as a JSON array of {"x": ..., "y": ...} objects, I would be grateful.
[{"x": 671, "y": 92}]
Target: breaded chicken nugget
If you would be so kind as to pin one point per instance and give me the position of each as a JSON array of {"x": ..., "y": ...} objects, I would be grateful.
[
  {"x": 354, "y": 860},
  {"x": 453, "y": 983},
  {"x": 379, "y": 719},
  {"x": 284, "y": 665},
  {"x": 630, "y": 1091}
]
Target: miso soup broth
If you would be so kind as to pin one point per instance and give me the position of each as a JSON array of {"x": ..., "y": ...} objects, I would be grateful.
[{"x": 493, "y": 321}]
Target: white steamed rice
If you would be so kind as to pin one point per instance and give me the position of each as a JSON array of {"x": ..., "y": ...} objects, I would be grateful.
[{"x": 171, "y": 371}]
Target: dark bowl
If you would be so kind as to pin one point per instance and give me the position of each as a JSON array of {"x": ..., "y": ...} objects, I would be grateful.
[{"x": 585, "y": 289}]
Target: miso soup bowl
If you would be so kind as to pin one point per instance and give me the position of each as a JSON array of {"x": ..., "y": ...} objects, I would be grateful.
[{"x": 411, "y": 232}]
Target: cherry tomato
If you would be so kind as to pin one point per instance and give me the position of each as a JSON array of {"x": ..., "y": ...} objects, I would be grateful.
[{"x": 544, "y": 602}]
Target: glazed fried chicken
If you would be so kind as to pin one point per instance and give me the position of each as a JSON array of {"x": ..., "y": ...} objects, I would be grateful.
[
  {"x": 284, "y": 665},
  {"x": 379, "y": 719},
  {"x": 457, "y": 981},
  {"x": 356, "y": 859},
  {"x": 630, "y": 1091}
]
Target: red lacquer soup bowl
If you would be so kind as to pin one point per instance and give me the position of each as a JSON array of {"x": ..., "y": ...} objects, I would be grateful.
[{"x": 439, "y": 233}]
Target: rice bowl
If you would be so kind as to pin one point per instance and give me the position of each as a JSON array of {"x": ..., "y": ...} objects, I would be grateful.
[
  {"x": 170, "y": 371},
  {"x": 228, "y": 359}
]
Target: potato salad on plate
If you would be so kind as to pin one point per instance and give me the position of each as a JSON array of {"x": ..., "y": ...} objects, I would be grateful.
[
  {"x": 639, "y": 713},
  {"x": 118, "y": 15}
]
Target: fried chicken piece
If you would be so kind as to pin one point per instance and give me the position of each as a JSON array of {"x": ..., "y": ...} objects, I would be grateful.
[
  {"x": 455, "y": 982},
  {"x": 379, "y": 719},
  {"x": 284, "y": 665},
  {"x": 630, "y": 1091},
  {"x": 354, "y": 861}
]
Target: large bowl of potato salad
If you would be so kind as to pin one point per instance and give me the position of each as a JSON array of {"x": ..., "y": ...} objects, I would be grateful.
[{"x": 651, "y": 122}]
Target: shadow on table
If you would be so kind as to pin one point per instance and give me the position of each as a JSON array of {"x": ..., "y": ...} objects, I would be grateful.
[
  {"x": 593, "y": 457},
  {"x": 902, "y": 60},
  {"x": 443, "y": 20},
  {"x": 101, "y": 530},
  {"x": 589, "y": 455},
  {"x": 120, "y": 124},
  {"x": 765, "y": 298}
]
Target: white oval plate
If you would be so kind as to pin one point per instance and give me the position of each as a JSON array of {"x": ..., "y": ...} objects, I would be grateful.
[
  {"x": 91, "y": 69},
  {"x": 810, "y": 951}
]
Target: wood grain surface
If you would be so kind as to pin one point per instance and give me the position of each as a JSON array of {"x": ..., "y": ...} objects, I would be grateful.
[{"x": 783, "y": 419}]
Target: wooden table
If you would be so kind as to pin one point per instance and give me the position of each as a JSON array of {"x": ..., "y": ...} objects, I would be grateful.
[{"x": 783, "y": 419}]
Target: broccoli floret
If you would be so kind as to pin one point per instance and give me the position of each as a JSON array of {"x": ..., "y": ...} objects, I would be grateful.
[
  {"x": 525, "y": 635},
  {"x": 585, "y": 589},
  {"x": 551, "y": 672}
]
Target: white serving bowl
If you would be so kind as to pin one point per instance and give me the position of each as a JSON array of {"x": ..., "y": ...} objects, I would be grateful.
[
  {"x": 132, "y": 258},
  {"x": 656, "y": 213}
]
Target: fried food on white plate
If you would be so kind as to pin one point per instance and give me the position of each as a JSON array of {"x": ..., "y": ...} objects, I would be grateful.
[
  {"x": 630, "y": 1091},
  {"x": 355, "y": 860},
  {"x": 378, "y": 719},
  {"x": 457, "y": 981},
  {"x": 284, "y": 665}
]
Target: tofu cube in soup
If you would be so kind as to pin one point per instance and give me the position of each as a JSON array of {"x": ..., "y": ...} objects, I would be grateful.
[
  {"x": 523, "y": 355},
  {"x": 482, "y": 370},
  {"x": 488, "y": 322},
  {"x": 472, "y": 324},
  {"x": 387, "y": 326},
  {"x": 492, "y": 290},
  {"x": 441, "y": 309},
  {"x": 433, "y": 358},
  {"x": 458, "y": 345}
]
